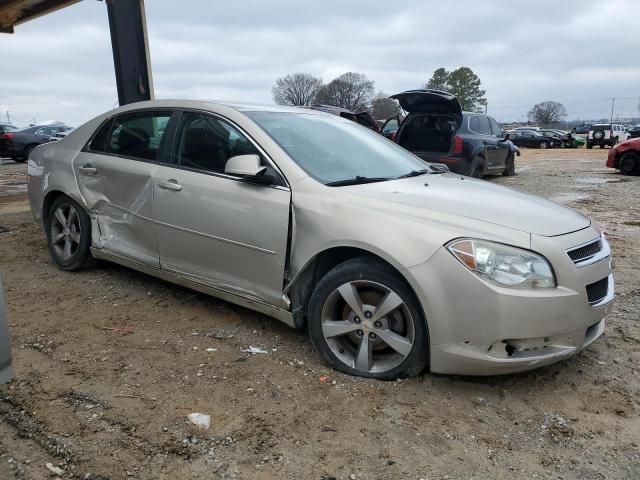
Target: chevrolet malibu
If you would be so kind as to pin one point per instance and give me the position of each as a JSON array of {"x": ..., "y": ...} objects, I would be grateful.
[{"x": 391, "y": 264}]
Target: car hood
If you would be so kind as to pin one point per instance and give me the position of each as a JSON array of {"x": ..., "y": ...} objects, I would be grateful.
[
  {"x": 632, "y": 142},
  {"x": 476, "y": 199}
]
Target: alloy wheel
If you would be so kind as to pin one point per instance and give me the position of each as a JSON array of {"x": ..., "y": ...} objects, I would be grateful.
[
  {"x": 368, "y": 326},
  {"x": 65, "y": 231}
]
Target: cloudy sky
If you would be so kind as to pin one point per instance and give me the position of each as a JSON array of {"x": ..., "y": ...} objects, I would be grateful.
[{"x": 580, "y": 53}]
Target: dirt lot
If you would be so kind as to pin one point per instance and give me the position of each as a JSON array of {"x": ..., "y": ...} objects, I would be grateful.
[{"x": 110, "y": 362}]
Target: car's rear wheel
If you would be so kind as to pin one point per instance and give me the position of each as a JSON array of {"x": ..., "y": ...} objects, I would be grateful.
[
  {"x": 68, "y": 229},
  {"x": 602, "y": 145},
  {"x": 589, "y": 146},
  {"x": 543, "y": 144},
  {"x": 629, "y": 164},
  {"x": 365, "y": 320},
  {"x": 27, "y": 152},
  {"x": 509, "y": 166}
]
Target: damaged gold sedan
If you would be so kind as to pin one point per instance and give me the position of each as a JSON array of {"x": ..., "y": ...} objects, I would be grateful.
[{"x": 392, "y": 263}]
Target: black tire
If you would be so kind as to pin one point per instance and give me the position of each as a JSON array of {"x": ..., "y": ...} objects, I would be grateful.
[
  {"x": 613, "y": 142},
  {"x": 602, "y": 145},
  {"x": 372, "y": 270},
  {"x": 27, "y": 151},
  {"x": 477, "y": 168},
  {"x": 629, "y": 164},
  {"x": 543, "y": 144},
  {"x": 589, "y": 145},
  {"x": 81, "y": 255},
  {"x": 509, "y": 166}
]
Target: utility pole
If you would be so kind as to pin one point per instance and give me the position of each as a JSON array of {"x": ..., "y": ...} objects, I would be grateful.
[
  {"x": 613, "y": 103},
  {"x": 486, "y": 107},
  {"x": 8, "y": 117}
]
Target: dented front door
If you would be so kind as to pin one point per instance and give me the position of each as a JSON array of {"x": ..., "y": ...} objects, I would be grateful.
[{"x": 119, "y": 192}]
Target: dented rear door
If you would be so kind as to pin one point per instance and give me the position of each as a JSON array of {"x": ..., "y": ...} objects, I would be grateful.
[{"x": 116, "y": 183}]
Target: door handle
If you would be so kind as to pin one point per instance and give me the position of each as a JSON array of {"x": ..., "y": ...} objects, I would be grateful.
[
  {"x": 170, "y": 185},
  {"x": 88, "y": 169}
]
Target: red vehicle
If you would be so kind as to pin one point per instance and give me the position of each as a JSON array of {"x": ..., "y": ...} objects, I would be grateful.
[{"x": 625, "y": 156}]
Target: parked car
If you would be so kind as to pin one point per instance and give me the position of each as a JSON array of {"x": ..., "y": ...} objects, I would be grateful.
[
  {"x": 18, "y": 144},
  {"x": 634, "y": 132},
  {"x": 606, "y": 134},
  {"x": 533, "y": 139},
  {"x": 582, "y": 129},
  {"x": 567, "y": 139},
  {"x": 363, "y": 118},
  {"x": 526, "y": 128},
  {"x": 625, "y": 156},
  {"x": 6, "y": 371},
  {"x": 437, "y": 130},
  {"x": 7, "y": 127},
  {"x": 390, "y": 263},
  {"x": 390, "y": 127}
]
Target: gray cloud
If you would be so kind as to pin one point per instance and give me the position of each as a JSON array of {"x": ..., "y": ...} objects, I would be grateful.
[{"x": 60, "y": 66}]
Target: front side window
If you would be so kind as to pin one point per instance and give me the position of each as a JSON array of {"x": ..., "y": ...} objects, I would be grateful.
[
  {"x": 484, "y": 127},
  {"x": 333, "y": 150},
  {"x": 390, "y": 126},
  {"x": 138, "y": 134},
  {"x": 496, "y": 129},
  {"x": 206, "y": 143}
]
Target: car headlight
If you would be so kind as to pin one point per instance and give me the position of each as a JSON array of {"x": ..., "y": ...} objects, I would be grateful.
[{"x": 503, "y": 265}]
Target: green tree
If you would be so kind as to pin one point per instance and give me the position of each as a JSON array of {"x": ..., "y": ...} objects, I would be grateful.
[
  {"x": 462, "y": 83},
  {"x": 548, "y": 113},
  {"x": 439, "y": 80}
]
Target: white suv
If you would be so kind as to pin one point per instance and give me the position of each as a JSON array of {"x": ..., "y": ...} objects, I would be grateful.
[{"x": 606, "y": 134}]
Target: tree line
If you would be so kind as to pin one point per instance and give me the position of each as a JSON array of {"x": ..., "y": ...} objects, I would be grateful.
[{"x": 354, "y": 91}]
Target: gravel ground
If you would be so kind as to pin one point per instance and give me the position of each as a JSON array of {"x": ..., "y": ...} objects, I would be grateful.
[{"x": 110, "y": 362}]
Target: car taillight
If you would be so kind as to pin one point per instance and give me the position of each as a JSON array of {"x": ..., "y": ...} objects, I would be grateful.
[
  {"x": 394, "y": 136},
  {"x": 7, "y": 136},
  {"x": 457, "y": 145}
]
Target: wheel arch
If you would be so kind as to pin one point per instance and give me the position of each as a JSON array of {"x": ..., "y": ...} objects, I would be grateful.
[{"x": 301, "y": 287}]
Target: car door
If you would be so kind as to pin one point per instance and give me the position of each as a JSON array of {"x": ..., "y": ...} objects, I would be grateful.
[
  {"x": 489, "y": 141},
  {"x": 215, "y": 228},
  {"x": 115, "y": 177},
  {"x": 502, "y": 147}
]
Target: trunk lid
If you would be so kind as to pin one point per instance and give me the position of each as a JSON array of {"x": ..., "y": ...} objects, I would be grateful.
[{"x": 429, "y": 101}]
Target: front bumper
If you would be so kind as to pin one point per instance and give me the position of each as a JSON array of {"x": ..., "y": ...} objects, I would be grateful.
[{"x": 478, "y": 328}]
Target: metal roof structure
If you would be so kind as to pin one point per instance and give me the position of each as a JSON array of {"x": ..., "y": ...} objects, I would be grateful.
[{"x": 15, "y": 12}]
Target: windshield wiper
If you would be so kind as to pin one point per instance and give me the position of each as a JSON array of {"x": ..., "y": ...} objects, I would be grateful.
[
  {"x": 414, "y": 173},
  {"x": 358, "y": 180}
]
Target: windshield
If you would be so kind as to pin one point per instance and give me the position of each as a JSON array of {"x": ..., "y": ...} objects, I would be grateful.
[{"x": 331, "y": 149}]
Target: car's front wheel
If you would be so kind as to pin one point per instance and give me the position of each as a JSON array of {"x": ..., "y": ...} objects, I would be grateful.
[
  {"x": 365, "y": 320},
  {"x": 629, "y": 164},
  {"x": 543, "y": 144},
  {"x": 509, "y": 166},
  {"x": 68, "y": 229}
]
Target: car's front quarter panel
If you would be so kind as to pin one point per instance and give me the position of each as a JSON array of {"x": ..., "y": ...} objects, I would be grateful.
[
  {"x": 472, "y": 320},
  {"x": 401, "y": 234}
]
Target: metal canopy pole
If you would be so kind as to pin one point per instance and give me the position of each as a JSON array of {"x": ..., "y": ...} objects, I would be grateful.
[{"x": 127, "y": 24}]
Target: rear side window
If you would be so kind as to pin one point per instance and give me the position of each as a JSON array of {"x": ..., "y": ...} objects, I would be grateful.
[
  {"x": 99, "y": 141},
  {"x": 474, "y": 126},
  {"x": 390, "y": 126},
  {"x": 137, "y": 134}
]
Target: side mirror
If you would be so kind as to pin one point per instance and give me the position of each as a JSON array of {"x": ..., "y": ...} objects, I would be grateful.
[
  {"x": 505, "y": 137},
  {"x": 244, "y": 166},
  {"x": 248, "y": 167}
]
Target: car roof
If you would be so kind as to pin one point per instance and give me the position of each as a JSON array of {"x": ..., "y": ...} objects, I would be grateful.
[{"x": 206, "y": 104}]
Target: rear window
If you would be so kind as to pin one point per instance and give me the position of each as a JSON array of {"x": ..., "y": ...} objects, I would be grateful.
[{"x": 601, "y": 126}]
